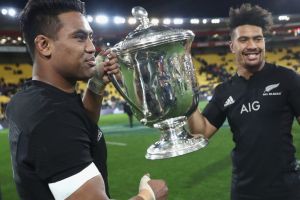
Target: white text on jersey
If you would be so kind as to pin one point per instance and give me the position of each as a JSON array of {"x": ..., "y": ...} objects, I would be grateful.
[{"x": 254, "y": 106}]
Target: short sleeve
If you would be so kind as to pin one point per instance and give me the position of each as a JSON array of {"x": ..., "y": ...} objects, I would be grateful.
[
  {"x": 214, "y": 114},
  {"x": 60, "y": 146},
  {"x": 294, "y": 93}
]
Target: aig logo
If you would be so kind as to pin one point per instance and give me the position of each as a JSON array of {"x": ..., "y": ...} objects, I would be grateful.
[{"x": 254, "y": 106}]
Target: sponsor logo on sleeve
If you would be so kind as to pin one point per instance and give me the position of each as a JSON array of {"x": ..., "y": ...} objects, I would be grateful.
[
  {"x": 100, "y": 133},
  {"x": 229, "y": 101}
]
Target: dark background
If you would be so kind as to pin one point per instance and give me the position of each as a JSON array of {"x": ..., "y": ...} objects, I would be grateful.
[{"x": 177, "y": 8}]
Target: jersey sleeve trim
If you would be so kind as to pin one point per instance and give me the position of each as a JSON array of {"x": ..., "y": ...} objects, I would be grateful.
[{"x": 64, "y": 188}]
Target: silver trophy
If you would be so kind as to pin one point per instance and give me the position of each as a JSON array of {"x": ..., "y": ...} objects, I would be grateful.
[{"x": 158, "y": 81}]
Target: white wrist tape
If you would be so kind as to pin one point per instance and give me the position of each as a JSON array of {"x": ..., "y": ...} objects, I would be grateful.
[
  {"x": 145, "y": 186},
  {"x": 96, "y": 85}
]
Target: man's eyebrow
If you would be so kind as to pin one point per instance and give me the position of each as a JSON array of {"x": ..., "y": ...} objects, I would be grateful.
[
  {"x": 247, "y": 37},
  {"x": 243, "y": 37},
  {"x": 80, "y": 31}
]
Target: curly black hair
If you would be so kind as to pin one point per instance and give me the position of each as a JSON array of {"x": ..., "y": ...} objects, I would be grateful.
[{"x": 251, "y": 15}]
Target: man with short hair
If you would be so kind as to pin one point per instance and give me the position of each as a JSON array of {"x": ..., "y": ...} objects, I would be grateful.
[
  {"x": 260, "y": 103},
  {"x": 57, "y": 149}
]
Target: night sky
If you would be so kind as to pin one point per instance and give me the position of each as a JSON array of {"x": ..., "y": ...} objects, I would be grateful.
[{"x": 178, "y": 8}]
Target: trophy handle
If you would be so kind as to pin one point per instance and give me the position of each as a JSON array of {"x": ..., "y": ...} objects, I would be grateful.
[
  {"x": 116, "y": 49},
  {"x": 113, "y": 79},
  {"x": 194, "y": 104},
  {"x": 115, "y": 82}
]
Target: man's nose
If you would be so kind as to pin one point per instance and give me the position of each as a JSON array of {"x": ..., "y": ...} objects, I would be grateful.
[
  {"x": 251, "y": 44},
  {"x": 90, "y": 47}
]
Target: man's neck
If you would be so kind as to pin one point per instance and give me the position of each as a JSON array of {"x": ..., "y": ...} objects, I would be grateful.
[
  {"x": 53, "y": 79},
  {"x": 247, "y": 73}
]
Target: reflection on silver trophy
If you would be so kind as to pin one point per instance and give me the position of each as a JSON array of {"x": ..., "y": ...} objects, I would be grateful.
[{"x": 158, "y": 82}]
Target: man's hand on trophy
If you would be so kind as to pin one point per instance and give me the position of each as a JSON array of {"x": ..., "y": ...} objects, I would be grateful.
[
  {"x": 106, "y": 64},
  {"x": 110, "y": 64},
  {"x": 152, "y": 189}
]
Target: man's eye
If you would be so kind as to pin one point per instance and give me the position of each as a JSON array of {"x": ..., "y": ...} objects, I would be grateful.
[
  {"x": 80, "y": 37},
  {"x": 243, "y": 39},
  {"x": 259, "y": 39},
  {"x": 92, "y": 38}
]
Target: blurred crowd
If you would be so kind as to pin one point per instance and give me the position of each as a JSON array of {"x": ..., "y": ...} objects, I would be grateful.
[{"x": 212, "y": 68}]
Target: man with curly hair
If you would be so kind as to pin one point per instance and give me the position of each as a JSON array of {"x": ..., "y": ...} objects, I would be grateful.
[{"x": 260, "y": 103}]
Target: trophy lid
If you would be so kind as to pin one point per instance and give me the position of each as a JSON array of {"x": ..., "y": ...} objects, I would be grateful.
[{"x": 148, "y": 35}]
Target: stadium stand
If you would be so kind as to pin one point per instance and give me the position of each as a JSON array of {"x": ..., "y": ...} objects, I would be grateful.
[
  {"x": 211, "y": 69},
  {"x": 212, "y": 60}
]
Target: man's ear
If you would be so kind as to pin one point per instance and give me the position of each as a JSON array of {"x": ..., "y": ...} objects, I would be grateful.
[
  {"x": 43, "y": 45},
  {"x": 230, "y": 43}
]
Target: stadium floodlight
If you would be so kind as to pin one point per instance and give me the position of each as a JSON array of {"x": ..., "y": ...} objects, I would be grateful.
[
  {"x": 155, "y": 21},
  {"x": 4, "y": 11},
  {"x": 283, "y": 18},
  {"x": 101, "y": 19},
  {"x": 119, "y": 20},
  {"x": 296, "y": 32},
  {"x": 131, "y": 20},
  {"x": 215, "y": 35},
  {"x": 19, "y": 39},
  {"x": 215, "y": 21},
  {"x": 178, "y": 21},
  {"x": 89, "y": 18},
  {"x": 194, "y": 21},
  {"x": 167, "y": 21},
  {"x": 3, "y": 41},
  {"x": 204, "y": 21},
  {"x": 108, "y": 44},
  {"x": 12, "y": 12}
]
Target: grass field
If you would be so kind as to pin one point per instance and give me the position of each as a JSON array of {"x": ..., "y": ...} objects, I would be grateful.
[{"x": 201, "y": 175}]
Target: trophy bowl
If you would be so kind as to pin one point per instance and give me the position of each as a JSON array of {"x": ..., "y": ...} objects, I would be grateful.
[{"x": 158, "y": 81}]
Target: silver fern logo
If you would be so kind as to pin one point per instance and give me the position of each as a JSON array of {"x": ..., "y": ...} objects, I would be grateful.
[{"x": 269, "y": 88}]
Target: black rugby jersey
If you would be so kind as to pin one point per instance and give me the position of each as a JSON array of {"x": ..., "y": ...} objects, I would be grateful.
[
  {"x": 51, "y": 138},
  {"x": 260, "y": 112}
]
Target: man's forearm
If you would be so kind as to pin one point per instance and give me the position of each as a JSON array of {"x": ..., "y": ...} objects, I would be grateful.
[
  {"x": 198, "y": 124},
  {"x": 92, "y": 104},
  {"x": 137, "y": 198},
  {"x": 143, "y": 195}
]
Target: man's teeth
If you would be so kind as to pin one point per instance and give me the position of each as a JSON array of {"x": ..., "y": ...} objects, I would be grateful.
[{"x": 251, "y": 55}]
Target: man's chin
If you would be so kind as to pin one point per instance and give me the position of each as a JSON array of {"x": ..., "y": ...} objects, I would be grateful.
[
  {"x": 253, "y": 67},
  {"x": 88, "y": 74},
  {"x": 84, "y": 78}
]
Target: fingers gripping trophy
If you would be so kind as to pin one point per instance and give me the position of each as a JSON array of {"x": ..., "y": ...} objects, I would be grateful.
[{"x": 158, "y": 81}]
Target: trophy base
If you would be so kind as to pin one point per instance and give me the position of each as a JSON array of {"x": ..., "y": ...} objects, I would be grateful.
[{"x": 175, "y": 140}]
